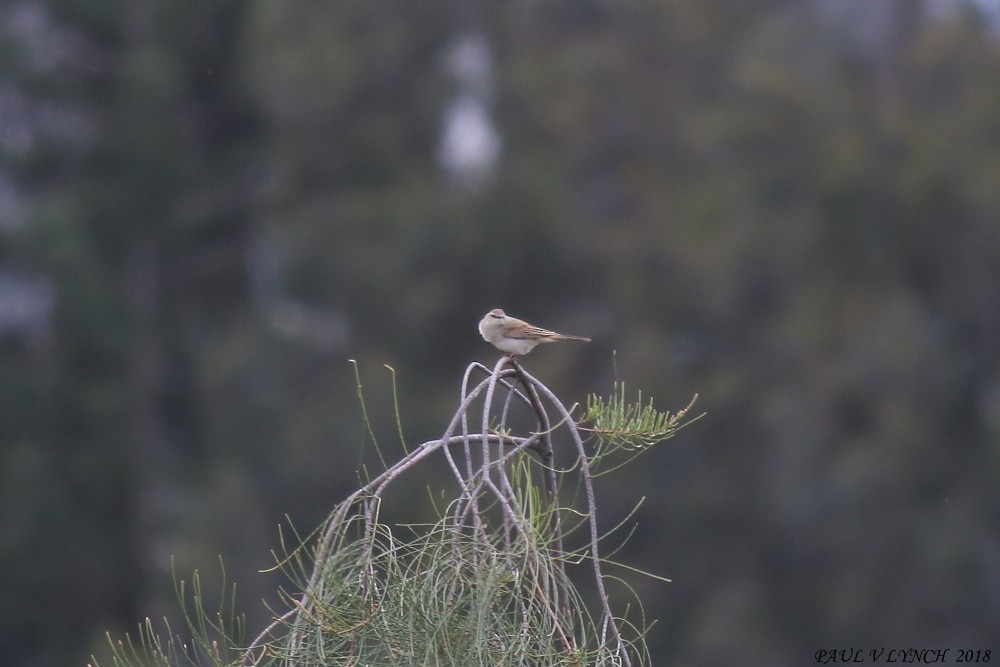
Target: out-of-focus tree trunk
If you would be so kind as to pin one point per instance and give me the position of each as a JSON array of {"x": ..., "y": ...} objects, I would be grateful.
[
  {"x": 896, "y": 23},
  {"x": 158, "y": 496}
]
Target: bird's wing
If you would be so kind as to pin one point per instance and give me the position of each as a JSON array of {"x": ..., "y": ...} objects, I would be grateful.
[{"x": 519, "y": 329}]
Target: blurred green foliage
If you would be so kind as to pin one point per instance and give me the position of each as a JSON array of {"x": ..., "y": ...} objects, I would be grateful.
[{"x": 788, "y": 207}]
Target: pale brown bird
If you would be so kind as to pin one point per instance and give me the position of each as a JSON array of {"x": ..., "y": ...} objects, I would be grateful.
[{"x": 515, "y": 336}]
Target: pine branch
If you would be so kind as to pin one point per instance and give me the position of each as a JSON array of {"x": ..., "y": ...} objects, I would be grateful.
[
  {"x": 485, "y": 583},
  {"x": 617, "y": 423}
]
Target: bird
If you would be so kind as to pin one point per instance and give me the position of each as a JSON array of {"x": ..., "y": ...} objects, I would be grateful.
[{"x": 516, "y": 337}]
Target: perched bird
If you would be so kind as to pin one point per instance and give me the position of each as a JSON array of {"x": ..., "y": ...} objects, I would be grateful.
[{"x": 515, "y": 336}]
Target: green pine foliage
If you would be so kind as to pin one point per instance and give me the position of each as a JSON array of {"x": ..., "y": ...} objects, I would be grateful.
[
  {"x": 616, "y": 422},
  {"x": 489, "y": 582}
]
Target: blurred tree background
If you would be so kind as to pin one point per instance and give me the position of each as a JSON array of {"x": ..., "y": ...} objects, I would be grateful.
[{"x": 791, "y": 207}]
